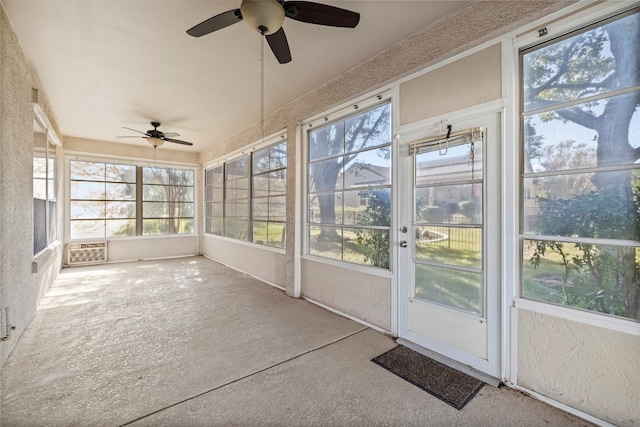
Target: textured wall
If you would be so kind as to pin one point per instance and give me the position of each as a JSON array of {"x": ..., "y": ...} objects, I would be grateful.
[
  {"x": 592, "y": 369},
  {"x": 20, "y": 288},
  {"x": 267, "y": 265},
  {"x": 472, "y": 80},
  {"x": 363, "y": 296},
  {"x": 93, "y": 147}
]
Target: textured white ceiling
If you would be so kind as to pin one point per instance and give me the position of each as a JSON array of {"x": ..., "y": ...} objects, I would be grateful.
[{"x": 105, "y": 64}]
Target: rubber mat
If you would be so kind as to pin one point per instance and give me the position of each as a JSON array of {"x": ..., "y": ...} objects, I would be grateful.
[{"x": 447, "y": 384}]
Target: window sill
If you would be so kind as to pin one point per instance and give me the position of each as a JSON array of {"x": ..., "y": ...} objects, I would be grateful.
[
  {"x": 123, "y": 238},
  {"x": 44, "y": 256},
  {"x": 373, "y": 271},
  {"x": 617, "y": 324},
  {"x": 244, "y": 242}
]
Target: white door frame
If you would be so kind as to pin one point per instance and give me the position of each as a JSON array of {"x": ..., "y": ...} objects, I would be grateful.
[{"x": 413, "y": 132}]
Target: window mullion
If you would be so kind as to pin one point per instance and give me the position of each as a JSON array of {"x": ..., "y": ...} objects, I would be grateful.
[
  {"x": 250, "y": 197},
  {"x": 139, "y": 202},
  {"x": 578, "y": 101}
]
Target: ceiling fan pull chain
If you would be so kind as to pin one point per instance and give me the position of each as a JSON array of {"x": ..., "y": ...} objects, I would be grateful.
[{"x": 262, "y": 87}]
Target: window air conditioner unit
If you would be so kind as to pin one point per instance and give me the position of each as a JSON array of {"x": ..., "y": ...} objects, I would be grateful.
[{"x": 86, "y": 253}]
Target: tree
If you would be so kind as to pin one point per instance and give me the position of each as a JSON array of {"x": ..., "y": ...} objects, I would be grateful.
[
  {"x": 102, "y": 199},
  {"x": 169, "y": 194},
  {"x": 599, "y": 271},
  {"x": 601, "y": 60},
  {"x": 332, "y": 141},
  {"x": 533, "y": 144},
  {"x": 592, "y": 64},
  {"x": 563, "y": 156},
  {"x": 375, "y": 243}
]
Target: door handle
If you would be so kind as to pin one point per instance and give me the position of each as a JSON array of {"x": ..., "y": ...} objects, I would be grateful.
[{"x": 403, "y": 243}]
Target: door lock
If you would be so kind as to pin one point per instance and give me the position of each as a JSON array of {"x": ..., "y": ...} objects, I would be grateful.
[
  {"x": 403, "y": 229},
  {"x": 403, "y": 243}
]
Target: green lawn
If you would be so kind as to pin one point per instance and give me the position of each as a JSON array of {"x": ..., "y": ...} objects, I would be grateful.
[{"x": 450, "y": 246}]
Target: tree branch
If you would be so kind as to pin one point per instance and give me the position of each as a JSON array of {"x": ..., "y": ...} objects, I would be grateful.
[
  {"x": 579, "y": 116},
  {"x": 581, "y": 86},
  {"x": 563, "y": 68},
  {"x": 356, "y": 132}
]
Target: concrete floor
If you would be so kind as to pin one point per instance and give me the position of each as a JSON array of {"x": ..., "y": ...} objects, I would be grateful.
[{"x": 190, "y": 342}]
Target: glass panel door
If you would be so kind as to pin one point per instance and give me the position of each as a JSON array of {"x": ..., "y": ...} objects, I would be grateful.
[{"x": 449, "y": 300}]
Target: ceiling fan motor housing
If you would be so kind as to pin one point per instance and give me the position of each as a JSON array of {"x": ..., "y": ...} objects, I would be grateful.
[{"x": 266, "y": 16}]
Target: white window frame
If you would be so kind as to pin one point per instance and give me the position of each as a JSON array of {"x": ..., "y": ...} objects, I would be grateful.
[
  {"x": 343, "y": 111},
  {"x": 268, "y": 141},
  {"x": 269, "y": 196},
  {"x": 51, "y": 139},
  {"x": 205, "y": 186},
  {"x": 140, "y": 217},
  {"x": 138, "y": 162},
  {"x": 554, "y": 25}
]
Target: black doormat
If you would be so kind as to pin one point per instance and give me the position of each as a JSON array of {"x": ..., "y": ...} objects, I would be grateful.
[{"x": 445, "y": 383}]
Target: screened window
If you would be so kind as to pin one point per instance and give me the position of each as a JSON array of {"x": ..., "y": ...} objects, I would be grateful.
[
  {"x": 45, "y": 230},
  {"x": 102, "y": 200},
  {"x": 115, "y": 200},
  {"x": 167, "y": 201},
  {"x": 214, "y": 200},
  {"x": 245, "y": 198},
  {"x": 349, "y": 188},
  {"x": 236, "y": 199},
  {"x": 580, "y": 180},
  {"x": 269, "y": 176}
]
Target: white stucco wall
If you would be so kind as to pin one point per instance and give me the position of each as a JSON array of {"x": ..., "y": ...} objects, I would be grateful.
[
  {"x": 350, "y": 291},
  {"x": 592, "y": 369},
  {"x": 91, "y": 147},
  {"x": 259, "y": 261},
  {"x": 472, "y": 80},
  {"x": 148, "y": 247},
  {"x": 23, "y": 278}
]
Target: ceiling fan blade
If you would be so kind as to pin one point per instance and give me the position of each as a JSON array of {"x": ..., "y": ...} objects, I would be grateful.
[
  {"x": 321, "y": 14},
  {"x": 216, "y": 23},
  {"x": 177, "y": 141},
  {"x": 279, "y": 46},
  {"x": 135, "y": 130},
  {"x": 170, "y": 134}
]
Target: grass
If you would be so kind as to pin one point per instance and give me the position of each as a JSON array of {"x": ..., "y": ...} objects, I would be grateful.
[
  {"x": 453, "y": 246},
  {"x": 332, "y": 248},
  {"x": 453, "y": 288},
  {"x": 544, "y": 281},
  {"x": 270, "y": 234},
  {"x": 458, "y": 246}
]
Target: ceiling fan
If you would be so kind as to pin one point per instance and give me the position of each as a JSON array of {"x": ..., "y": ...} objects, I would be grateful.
[
  {"x": 156, "y": 137},
  {"x": 267, "y": 17}
]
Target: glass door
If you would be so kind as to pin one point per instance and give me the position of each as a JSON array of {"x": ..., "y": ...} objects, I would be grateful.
[{"x": 450, "y": 296}]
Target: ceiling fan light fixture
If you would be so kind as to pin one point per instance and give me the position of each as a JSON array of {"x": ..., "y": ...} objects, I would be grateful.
[
  {"x": 156, "y": 142},
  {"x": 266, "y": 16}
]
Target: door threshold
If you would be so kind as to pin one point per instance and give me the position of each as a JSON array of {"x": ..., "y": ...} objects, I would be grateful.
[{"x": 486, "y": 378}]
